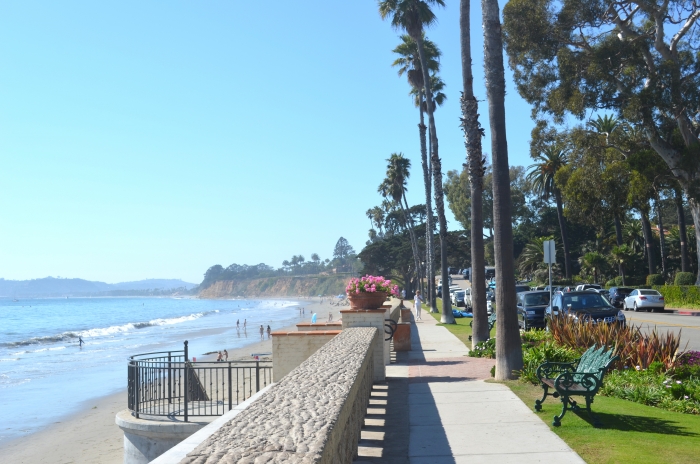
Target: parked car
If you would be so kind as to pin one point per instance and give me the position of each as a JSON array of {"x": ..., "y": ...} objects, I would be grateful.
[
  {"x": 459, "y": 298},
  {"x": 616, "y": 295},
  {"x": 582, "y": 287},
  {"x": 531, "y": 306},
  {"x": 581, "y": 306},
  {"x": 644, "y": 300},
  {"x": 522, "y": 288}
]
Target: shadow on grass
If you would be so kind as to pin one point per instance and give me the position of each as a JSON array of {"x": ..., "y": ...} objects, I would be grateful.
[{"x": 629, "y": 423}]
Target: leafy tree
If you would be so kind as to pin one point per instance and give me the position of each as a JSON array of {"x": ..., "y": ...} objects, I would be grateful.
[
  {"x": 593, "y": 261},
  {"x": 637, "y": 59},
  {"x": 509, "y": 355},
  {"x": 342, "y": 252}
]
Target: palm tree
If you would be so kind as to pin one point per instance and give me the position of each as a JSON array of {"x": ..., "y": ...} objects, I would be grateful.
[
  {"x": 475, "y": 162},
  {"x": 394, "y": 187},
  {"x": 409, "y": 63},
  {"x": 593, "y": 261},
  {"x": 542, "y": 175},
  {"x": 509, "y": 353},
  {"x": 622, "y": 254},
  {"x": 606, "y": 126},
  {"x": 412, "y": 16},
  {"x": 532, "y": 255}
]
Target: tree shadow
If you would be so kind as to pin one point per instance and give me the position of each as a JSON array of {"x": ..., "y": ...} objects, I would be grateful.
[{"x": 629, "y": 423}]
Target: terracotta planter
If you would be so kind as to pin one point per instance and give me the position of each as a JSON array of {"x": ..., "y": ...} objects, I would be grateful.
[{"x": 367, "y": 300}]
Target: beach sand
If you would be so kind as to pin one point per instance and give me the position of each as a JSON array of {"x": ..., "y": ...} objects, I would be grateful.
[{"x": 91, "y": 436}]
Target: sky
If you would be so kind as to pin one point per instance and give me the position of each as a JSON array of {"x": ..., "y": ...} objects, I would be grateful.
[{"x": 156, "y": 139}]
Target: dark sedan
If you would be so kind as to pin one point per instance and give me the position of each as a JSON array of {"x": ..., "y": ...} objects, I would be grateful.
[
  {"x": 584, "y": 306},
  {"x": 618, "y": 295},
  {"x": 531, "y": 307}
]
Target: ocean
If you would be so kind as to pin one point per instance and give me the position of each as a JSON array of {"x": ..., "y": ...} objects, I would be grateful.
[{"x": 45, "y": 374}]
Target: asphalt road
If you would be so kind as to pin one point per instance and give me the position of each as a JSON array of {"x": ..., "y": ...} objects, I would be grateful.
[{"x": 688, "y": 326}]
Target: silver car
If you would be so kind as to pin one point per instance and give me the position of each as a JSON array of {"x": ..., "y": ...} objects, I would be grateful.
[{"x": 644, "y": 300}]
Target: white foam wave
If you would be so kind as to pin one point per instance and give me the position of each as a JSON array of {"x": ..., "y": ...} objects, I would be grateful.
[{"x": 9, "y": 359}]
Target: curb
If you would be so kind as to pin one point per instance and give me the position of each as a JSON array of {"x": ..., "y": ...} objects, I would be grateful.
[{"x": 684, "y": 312}]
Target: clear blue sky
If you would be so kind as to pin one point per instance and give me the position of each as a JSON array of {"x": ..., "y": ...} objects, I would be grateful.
[{"x": 155, "y": 139}]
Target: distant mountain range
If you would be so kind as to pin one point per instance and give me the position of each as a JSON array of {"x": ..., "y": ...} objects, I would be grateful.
[{"x": 50, "y": 286}]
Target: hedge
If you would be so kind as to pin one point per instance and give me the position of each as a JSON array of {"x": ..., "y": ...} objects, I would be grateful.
[
  {"x": 684, "y": 278},
  {"x": 655, "y": 279},
  {"x": 679, "y": 294}
]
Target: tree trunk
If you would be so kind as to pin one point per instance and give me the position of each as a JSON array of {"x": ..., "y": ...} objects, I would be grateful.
[
  {"x": 447, "y": 316},
  {"x": 648, "y": 241},
  {"x": 509, "y": 355},
  {"x": 681, "y": 229},
  {"x": 414, "y": 245},
  {"x": 618, "y": 238},
  {"x": 472, "y": 135},
  {"x": 695, "y": 211},
  {"x": 662, "y": 237},
  {"x": 412, "y": 239},
  {"x": 564, "y": 236},
  {"x": 428, "y": 209}
]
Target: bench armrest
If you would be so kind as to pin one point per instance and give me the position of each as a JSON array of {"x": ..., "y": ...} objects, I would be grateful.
[
  {"x": 566, "y": 380},
  {"x": 549, "y": 370}
]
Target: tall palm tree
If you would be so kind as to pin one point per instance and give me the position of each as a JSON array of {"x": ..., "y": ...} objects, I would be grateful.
[
  {"x": 593, "y": 261},
  {"x": 412, "y": 16},
  {"x": 394, "y": 186},
  {"x": 475, "y": 162},
  {"x": 542, "y": 177},
  {"x": 409, "y": 63},
  {"x": 532, "y": 256},
  {"x": 509, "y": 353}
]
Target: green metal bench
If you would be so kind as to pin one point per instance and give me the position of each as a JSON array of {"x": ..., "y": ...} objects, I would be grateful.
[
  {"x": 492, "y": 322},
  {"x": 583, "y": 377}
]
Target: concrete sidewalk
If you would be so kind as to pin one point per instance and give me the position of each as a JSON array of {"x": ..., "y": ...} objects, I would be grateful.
[{"x": 454, "y": 416}]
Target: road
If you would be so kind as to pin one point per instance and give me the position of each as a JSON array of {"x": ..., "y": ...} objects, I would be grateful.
[{"x": 688, "y": 326}]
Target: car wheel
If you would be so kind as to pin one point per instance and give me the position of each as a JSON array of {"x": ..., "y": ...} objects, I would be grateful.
[{"x": 635, "y": 308}]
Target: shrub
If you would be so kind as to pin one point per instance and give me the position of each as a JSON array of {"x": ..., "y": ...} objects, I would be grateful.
[
  {"x": 684, "y": 278},
  {"x": 635, "y": 349},
  {"x": 655, "y": 279},
  {"x": 610, "y": 283},
  {"x": 534, "y": 355},
  {"x": 680, "y": 294},
  {"x": 486, "y": 349}
]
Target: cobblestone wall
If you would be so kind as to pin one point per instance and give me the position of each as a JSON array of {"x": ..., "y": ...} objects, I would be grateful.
[{"x": 313, "y": 415}]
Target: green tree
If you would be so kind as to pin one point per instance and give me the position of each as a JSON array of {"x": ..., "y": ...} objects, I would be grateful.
[
  {"x": 542, "y": 175},
  {"x": 342, "y": 252},
  {"x": 594, "y": 262},
  {"x": 412, "y": 16},
  {"x": 509, "y": 355},
  {"x": 637, "y": 59}
]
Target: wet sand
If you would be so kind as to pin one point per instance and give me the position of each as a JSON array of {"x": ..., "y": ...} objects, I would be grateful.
[{"x": 91, "y": 436}]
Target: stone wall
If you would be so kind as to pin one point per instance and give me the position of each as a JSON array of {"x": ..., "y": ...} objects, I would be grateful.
[
  {"x": 370, "y": 318},
  {"x": 308, "y": 326},
  {"x": 290, "y": 349},
  {"x": 313, "y": 415}
]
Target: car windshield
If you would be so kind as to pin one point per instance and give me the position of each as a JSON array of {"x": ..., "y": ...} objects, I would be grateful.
[
  {"x": 537, "y": 299},
  {"x": 459, "y": 294},
  {"x": 649, "y": 292},
  {"x": 589, "y": 300}
]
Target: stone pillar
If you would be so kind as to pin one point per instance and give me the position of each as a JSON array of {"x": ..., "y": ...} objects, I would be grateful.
[
  {"x": 402, "y": 337},
  {"x": 145, "y": 440},
  {"x": 369, "y": 318}
]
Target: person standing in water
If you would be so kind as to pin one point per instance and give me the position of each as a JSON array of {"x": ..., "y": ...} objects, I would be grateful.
[
  {"x": 80, "y": 341},
  {"x": 238, "y": 324},
  {"x": 269, "y": 332},
  {"x": 245, "y": 323},
  {"x": 262, "y": 331}
]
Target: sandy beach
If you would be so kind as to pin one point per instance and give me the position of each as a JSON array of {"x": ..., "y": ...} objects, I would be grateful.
[{"x": 91, "y": 436}]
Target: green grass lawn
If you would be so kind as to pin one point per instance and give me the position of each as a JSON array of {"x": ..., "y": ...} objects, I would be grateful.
[
  {"x": 631, "y": 433},
  {"x": 461, "y": 329}
]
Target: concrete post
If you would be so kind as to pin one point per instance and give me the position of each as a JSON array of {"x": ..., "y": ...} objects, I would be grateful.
[{"x": 369, "y": 318}]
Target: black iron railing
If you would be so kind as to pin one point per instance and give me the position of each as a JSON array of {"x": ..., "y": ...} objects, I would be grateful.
[{"x": 167, "y": 383}]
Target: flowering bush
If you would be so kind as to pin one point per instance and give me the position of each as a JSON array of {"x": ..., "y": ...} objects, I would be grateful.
[{"x": 371, "y": 284}]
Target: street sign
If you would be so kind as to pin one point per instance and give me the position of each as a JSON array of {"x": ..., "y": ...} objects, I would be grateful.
[{"x": 550, "y": 253}]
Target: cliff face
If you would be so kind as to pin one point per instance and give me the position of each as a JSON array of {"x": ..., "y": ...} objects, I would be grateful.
[{"x": 277, "y": 286}]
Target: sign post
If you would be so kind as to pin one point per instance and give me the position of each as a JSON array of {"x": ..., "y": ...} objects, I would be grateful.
[{"x": 550, "y": 253}]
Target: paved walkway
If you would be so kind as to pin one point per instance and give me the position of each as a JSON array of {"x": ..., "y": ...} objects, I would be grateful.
[{"x": 437, "y": 409}]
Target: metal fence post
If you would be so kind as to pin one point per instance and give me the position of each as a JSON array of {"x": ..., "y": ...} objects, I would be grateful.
[
  {"x": 257, "y": 376},
  {"x": 230, "y": 389},
  {"x": 137, "y": 389},
  {"x": 170, "y": 378},
  {"x": 187, "y": 383}
]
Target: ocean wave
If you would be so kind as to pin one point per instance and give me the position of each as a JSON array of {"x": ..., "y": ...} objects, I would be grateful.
[
  {"x": 106, "y": 331},
  {"x": 9, "y": 359}
]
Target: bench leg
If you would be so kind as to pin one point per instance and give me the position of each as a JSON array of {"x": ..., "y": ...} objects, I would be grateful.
[
  {"x": 557, "y": 419},
  {"x": 593, "y": 417},
  {"x": 538, "y": 403}
]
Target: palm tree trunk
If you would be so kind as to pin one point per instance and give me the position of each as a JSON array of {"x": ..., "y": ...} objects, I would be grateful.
[
  {"x": 509, "y": 355},
  {"x": 618, "y": 238},
  {"x": 648, "y": 241},
  {"x": 681, "y": 229},
  {"x": 447, "y": 316},
  {"x": 411, "y": 238},
  {"x": 414, "y": 245},
  {"x": 472, "y": 135},
  {"x": 564, "y": 236},
  {"x": 428, "y": 209},
  {"x": 662, "y": 237}
]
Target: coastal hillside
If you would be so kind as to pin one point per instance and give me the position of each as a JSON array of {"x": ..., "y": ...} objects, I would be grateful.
[{"x": 276, "y": 286}]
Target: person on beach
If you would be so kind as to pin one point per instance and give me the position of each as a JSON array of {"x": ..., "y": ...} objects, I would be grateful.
[
  {"x": 225, "y": 355},
  {"x": 80, "y": 341},
  {"x": 245, "y": 323},
  {"x": 262, "y": 332},
  {"x": 330, "y": 316},
  {"x": 417, "y": 300},
  {"x": 219, "y": 357},
  {"x": 269, "y": 332},
  {"x": 238, "y": 324}
]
